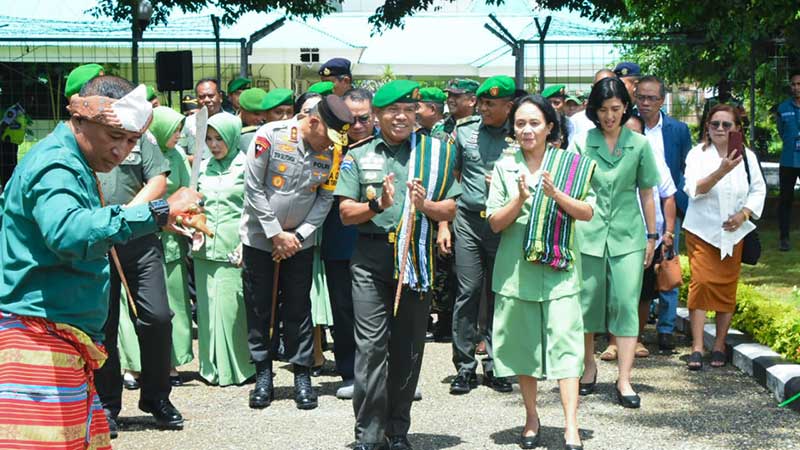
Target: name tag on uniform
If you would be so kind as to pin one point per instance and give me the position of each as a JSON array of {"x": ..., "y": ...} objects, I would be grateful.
[{"x": 371, "y": 162}]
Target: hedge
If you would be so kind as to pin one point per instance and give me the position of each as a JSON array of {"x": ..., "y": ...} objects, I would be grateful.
[{"x": 771, "y": 323}]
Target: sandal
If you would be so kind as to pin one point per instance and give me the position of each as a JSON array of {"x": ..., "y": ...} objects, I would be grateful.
[
  {"x": 695, "y": 361},
  {"x": 718, "y": 359},
  {"x": 641, "y": 351},
  {"x": 610, "y": 353}
]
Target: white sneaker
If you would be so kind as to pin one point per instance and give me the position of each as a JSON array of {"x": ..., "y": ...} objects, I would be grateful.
[{"x": 345, "y": 392}]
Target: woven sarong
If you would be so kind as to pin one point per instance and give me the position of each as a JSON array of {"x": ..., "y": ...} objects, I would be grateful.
[
  {"x": 550, "y": 231},
  {"x": 431, "y": 161},
  {"x": 47, "y": 395}
]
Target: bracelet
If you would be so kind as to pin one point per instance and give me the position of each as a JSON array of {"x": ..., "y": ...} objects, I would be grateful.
[
  {"x": 746, "y": 215},
  {"x": 653, "y": 236},
  {"x": 669, "y": 233}
]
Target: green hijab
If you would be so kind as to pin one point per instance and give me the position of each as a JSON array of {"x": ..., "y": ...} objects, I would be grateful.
[
  {"x": 229, "y": 128},
  {"x": 165, "y": 122}
]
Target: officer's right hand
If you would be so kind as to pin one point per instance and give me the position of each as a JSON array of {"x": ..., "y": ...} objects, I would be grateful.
[
  {"x": 184, "y": 201},
  {"x": 387, "y": 197},
  {"x": 284, "y": 245}
]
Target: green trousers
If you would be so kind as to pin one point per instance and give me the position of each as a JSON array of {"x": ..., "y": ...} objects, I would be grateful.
[{"x": 221, "y": 323}]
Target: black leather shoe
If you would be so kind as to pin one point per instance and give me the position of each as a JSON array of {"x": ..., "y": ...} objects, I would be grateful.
[
  {"x": 130, "y": 385},
  {"x": 399, "y": 443},
  {"x": 361, "y": 446},
  {"x": 666, "y": 341},
  {"x": 113, "y": 429},
  {"x": 499, "y": 384},
  {"x": 166, "y": 415},
  {"x": 175, "y": 380},
  {"x": 785, "y": 245},
  {"x": 304, "y": 395},
  {"x": 628, "y": 401},
  {"x": 463, "y": 383},
  {"x": 530, "y": 441},
  {"x": 573, "y": 446},
  {"x": 262, "y": 395},
  {"x": 588, "y": 388}
]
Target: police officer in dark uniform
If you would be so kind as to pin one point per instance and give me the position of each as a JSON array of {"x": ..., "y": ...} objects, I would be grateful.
[
  {"x": 375, "y": 191},
  {"x": 337, "y": 71},
  {"x": 479, "y": 144}
]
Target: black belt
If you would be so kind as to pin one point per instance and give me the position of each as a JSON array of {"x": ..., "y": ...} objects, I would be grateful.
[
  {"x": 481, "y": 213},
  {"x": 385, "y": 237}
]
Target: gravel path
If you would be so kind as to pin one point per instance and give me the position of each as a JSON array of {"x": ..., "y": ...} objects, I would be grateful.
[{"x": 713, "y": 409}]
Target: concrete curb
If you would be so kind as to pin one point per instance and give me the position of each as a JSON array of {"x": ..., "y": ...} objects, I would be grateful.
[{"x": 778, "y": 376}]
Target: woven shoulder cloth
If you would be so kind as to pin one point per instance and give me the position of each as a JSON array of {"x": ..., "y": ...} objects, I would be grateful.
[
  {"x": 431, "y": 161},
  {"x": 550, "y": 231}
]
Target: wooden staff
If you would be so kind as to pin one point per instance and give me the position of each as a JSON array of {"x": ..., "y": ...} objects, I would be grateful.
[
  {"x": 404, "y": 254},
  {"x": 275, "y": 272}
]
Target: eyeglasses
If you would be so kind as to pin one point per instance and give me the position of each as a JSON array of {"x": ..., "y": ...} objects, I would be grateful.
[
  {"x": 363, "y": 119},
  {"x": 725, "y": 125},
  {"x": 649, "y": 98}
]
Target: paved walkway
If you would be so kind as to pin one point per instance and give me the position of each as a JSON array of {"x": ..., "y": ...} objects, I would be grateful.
[{"x": 713, "y": 409}]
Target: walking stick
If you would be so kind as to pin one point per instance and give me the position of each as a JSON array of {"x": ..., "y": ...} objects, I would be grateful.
[
  {"x": 404, "y": 255},
  {"x": 275, "y": 273}
]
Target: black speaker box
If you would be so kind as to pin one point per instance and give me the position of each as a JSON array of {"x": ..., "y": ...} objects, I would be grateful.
[{"x": 174, "y": 71}]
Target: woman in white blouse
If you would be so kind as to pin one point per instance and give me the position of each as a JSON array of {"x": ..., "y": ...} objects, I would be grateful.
[{"x": 721, "y": 204}]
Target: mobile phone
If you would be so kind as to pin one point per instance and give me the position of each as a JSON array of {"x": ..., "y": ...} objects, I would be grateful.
[{"x": 735, "y": 144}]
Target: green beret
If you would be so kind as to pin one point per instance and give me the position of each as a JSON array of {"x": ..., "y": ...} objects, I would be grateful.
[
  {"x": 554, "y": 90},
  {"x": 461, "y": 86},
  {"x": 238, "y": 84},
  {"x": 499, "y": 86},
  {"x": 573, "y": 98},
  {"x": 397, "y": 91},
  {"x": 251, "y": 99},
  {"x": 151, "y": 93},
  {"x": 433, "y": 95},
  {"x": 80, "y": 76},
  {"x": 277, "y": 97},
  {"x": 322, "y": 87}
]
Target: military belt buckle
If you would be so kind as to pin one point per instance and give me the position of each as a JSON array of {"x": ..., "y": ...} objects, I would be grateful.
[
  {"x": 392, "y": 237},
  {"x": 483, "y": 214}
]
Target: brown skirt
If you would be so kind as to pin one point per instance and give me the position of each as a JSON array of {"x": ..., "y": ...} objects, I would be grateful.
[{"x": 712, "y": 286}]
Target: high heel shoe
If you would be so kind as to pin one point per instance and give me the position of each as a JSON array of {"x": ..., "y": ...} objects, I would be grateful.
[
  {"x": 588, "y": 388},
  {"x": 627, "y": 401},
  {"x": 528, "y": 442}
]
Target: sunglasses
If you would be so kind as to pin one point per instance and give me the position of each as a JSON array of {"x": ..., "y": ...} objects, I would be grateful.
[
  {"x": 725, "y": 125},
  {"x": 362, "y": 119}
]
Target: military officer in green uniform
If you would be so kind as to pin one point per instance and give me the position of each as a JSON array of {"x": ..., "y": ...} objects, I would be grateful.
[
  {"x": 479, "y": 144},
  {"x": 376, "y": 190},
  {"x": 252, "y": 114},
  {"x": 461, "y": 102},
  {"x": 557, "y": 95},
  {"x": 278, "y": 104},
  {"x": 236, "y": 88},
  {"x": 431, "y": 109}
]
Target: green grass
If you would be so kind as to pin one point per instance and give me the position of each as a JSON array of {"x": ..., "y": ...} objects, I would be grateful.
[{"x": 777, "y": 274}]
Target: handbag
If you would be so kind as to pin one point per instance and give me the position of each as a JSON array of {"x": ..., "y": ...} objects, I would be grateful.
[
  {"x": 751, "y": 250},
  {"x": 668, "y": 272}
]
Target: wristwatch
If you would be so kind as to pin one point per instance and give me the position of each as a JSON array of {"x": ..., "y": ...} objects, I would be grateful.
[
  {"x": 299, "y": 237},
  {"x": 374, "y": 206},
  {"x": 160, "y": 211},
  {"x": 653, "y": 236}
]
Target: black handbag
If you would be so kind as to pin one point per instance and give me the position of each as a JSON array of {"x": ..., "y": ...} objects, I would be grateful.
[{"x": 751, "y": 250}]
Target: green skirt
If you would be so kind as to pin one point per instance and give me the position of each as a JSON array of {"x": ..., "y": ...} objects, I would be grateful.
[
  {"x": 543, "y": 340},
  {"x": 221, "y": 323},
  {"x": 610, "y": 292},
  {"x": 177, "y": 278}
]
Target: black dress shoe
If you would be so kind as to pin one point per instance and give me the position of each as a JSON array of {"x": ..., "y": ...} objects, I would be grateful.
[
  {"x": 113, "y": 429},
  {"x": 304, "y": 395},
  {"x": 175, "y": 380},
  {"x": 463, "y": 383},
  {"x": 666, "y": 341},
  {"x": 166, "y": 415},
  {"x": 573, "y": 446},
  {"x": 399, "y": 443},
  {"x": 587, "y": 388},
  {"x": 628, "y": 401},
  {"x": 263, "y": 393},
  {"x": 530, "y": 441},
  {"x": 130, "y": 385},
  {"x": 499, "y": 384},
  {"x": 361, "y": 446}
]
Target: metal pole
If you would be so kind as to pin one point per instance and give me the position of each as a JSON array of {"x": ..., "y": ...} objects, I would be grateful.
[
  {"x": 135, "y": 53},
  {"x": 752, "y": 97},
  {"x": 519, "y": 66},
  {"x": 215, "y": 24},
  {"x": 542, "y": 34},
  {"x": 243, "y": 57}
]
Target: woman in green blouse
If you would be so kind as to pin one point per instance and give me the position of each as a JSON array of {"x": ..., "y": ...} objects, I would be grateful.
[
  {"x": 221, "y": 323},
  {"x": 614, "y": 246},
  {"x": 538, "y": 326}
]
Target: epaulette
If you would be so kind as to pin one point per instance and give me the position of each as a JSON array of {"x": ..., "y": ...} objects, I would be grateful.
[
  {"x": 360, "y": 143},
  {"x": 250, "y": 129},
  {"x": 467, "y": 120}
]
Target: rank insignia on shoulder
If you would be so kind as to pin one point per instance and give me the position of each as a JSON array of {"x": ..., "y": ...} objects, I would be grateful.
[
  {"x": 293, "y": 134},
  {"x": 262, "y": 145},
  {"x": 466, "y": 120},
  {"x": 360, "y": 143}
]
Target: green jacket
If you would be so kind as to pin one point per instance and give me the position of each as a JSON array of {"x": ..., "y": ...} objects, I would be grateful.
[{"x": 477, "y": 148}]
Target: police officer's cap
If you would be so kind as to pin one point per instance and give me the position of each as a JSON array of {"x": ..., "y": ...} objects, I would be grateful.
[
  {"x": 337, "y": 118},
  {"x": 432, "y": 95},
  {"x": 397, "y": 91},
  {"x": 80, "y": 76},
  {"x": 498, "y": 86},
  {"x": 189, "y": 102},
  {"x": 252, "y": 99},
  {"x": 334, "y": 67},
  {"x": 462, "y": 86},
  {"x": 627, "y": 69},
  {"x": 554, "y": 90},
  {"x": 277, "y": 97},
  {"x": 238, "y": 84},
  {"x": 322, "y": 87}
]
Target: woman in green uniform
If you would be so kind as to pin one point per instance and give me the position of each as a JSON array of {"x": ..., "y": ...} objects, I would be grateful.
[
  {"x": 221, "y": 322},
  {"x": 536, "y": 195},
  {"x": 166, "y": 128},
  {"x": 614, "y": 251}
]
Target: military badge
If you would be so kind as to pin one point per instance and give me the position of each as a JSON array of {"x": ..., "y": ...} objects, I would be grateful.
[
  {"x": 278, "y": 181},
  {"x": 494, "y": 91},
  {"x": 262, "y": 145},
  {"x": 371, "y": 192},
  {"x": 281, "y": 167},
  {"x": 623, "y": 71},
  {"x": 293, "y": 135},
  {"x": 415, "y": 94},
  {"x": 326, "y": 72}
]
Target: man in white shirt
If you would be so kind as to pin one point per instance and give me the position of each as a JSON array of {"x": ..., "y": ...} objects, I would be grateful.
[{"x": 581, "y": 124}]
